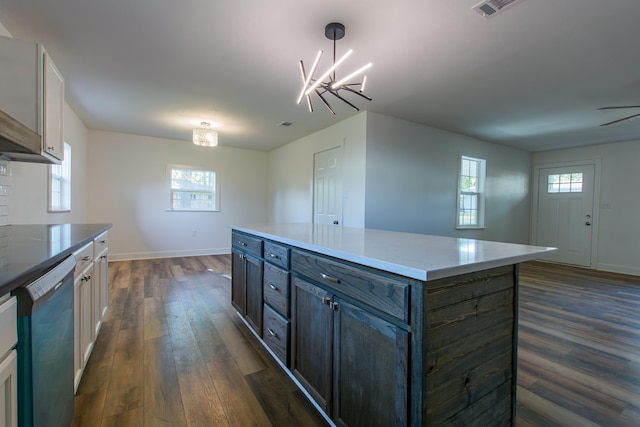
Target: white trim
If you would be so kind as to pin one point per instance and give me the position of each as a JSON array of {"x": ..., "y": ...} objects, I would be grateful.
[
  {"x": 130, "y": 256},
  {"x": 623, "y": 269},
  {"x": 595, "y": 216}
]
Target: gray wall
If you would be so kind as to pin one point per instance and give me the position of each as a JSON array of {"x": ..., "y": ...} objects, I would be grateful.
[{"x": 411, "y": 180}]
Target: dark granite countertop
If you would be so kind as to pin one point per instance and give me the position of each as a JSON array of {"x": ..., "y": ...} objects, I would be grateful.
[{"x": 27, "y": 251}]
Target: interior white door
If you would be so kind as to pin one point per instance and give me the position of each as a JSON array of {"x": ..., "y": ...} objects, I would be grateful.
[
  {"x": 327, "y": 187},
  {"x": 565, "y": 212}
]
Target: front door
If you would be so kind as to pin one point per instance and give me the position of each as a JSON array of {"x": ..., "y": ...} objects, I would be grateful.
[
  {"x": 327, "y": 187},
  {"x": 565, "y": 212}
]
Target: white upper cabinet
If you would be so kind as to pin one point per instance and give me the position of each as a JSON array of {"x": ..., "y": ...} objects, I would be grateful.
[{"x": 32, "y": 92}]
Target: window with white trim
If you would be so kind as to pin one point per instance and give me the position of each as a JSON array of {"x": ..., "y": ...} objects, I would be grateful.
[
  {"x": 60, "y": 183},
  {"x": 470, "y": 210},
  {"x": 192, "y": 189}
]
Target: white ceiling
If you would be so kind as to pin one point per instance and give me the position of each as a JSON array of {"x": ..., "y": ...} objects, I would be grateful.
[{"x": 532, "y": 76}]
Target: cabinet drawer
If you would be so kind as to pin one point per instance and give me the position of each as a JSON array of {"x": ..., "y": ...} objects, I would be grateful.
[
  {"x": 8, "y": 324},
  {"x": 276, "y": 288},
  {"x": 362, "y": 284},
  {"x": 83, "y": 257},
  {"x": 276, "y": 254},
  {"x": 275, "y": 333},
  {"x": 249, "y": 244},
  {"x": 100, "y": 243}
]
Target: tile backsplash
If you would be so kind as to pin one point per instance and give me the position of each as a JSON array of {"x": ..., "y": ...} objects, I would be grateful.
[{"x": 5, "y": 191}]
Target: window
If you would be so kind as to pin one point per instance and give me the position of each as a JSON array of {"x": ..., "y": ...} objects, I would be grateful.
[
  {"x": 60, "y": 183},
  {"x": 470, "y": 210},
  {"x": 565, "y": 183},
  {"x": 192, "y": 189}
]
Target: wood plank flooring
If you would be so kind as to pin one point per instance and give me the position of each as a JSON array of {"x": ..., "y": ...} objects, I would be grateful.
[
  {"x": 579, "y": 347},
  {"x": 172, "y": 352}
]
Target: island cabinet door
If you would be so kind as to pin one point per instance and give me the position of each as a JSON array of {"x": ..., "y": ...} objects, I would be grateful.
[
  {"x": 370, "y": 369},
  {"x": 311, "y": 340},
  {"x": 253, "y": 272},
  {"x": 238, "y": 281}
]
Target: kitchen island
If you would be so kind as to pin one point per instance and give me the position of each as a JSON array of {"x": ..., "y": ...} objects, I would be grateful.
[{"x": 385, "y": 328}]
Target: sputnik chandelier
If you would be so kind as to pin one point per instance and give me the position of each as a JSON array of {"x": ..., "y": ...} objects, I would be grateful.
[{"x": 327, "y": 82}]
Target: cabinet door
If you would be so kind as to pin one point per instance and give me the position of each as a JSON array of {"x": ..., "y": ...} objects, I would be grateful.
[
  {"x": 53, "y": 138},
  {"x": 312, "y": 321},
  {"x": 254, "y": 301},
  {"x": 9, "y": 390},
  {"x": 370, "y": 369},
  {"x": 77, "y": 347},
  {"x": 238, "y": 281},
  {"x": 86, "y": 314},
  {"x": 102, "y": 276}
]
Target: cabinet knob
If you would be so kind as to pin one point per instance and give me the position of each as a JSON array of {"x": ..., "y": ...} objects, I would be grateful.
[
  {"x": 272, "y": 286},
  {"x": 51, "y": 148},
  {"x": 272, "y": 333},
  {"x": 274, "y": 256},
  {"x": 86, "y": 258},
  {"x": 243, "y": 244}
]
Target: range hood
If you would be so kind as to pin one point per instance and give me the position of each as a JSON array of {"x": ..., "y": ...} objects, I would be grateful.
[{"x": 18, "y": 142}]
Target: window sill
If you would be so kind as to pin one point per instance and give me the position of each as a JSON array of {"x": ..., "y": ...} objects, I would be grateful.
[
  {"x": 192, "y": 210},
  {"x": 471, "y": 228}
]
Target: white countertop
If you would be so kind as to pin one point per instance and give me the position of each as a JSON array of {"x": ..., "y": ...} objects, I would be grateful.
[{"x": 419, "y": 256}]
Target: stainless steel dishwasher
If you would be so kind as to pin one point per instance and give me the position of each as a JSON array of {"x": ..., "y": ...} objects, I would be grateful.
[{"x": 45, "y": 348}]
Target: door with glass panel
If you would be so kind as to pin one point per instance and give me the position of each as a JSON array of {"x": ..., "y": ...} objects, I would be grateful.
[{"x": 565, "y": 212}]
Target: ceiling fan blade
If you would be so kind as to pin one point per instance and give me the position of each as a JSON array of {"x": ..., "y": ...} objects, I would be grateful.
[
  {"x": 620, "y": 120},
  {"x": 615, "y": 108}
]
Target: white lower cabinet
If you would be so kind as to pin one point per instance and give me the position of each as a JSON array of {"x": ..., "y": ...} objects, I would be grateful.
[
  {"x": 84, "y": 332},
  {"x": 8, "y": 362},
  {"x": 9, "y": 390},
  {"x": 90, "y": 299}
]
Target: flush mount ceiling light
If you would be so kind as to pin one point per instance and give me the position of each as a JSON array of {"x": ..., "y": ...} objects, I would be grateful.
[
  {"x": 205, "y": 136},
  {"x": 327, "y": 82}
]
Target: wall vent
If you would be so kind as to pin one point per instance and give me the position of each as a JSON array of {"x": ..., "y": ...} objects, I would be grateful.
[{"x": 491, "y": 7}]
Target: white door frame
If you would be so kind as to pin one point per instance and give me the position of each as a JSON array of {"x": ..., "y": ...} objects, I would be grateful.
[{"x": 595, "y": 217}]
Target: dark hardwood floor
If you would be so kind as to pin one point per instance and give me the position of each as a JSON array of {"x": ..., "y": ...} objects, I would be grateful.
[{"x": 172, "y": 352}]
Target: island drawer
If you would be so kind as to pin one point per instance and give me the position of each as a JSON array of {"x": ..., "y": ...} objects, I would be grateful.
[
  {"x": 363, "y": 284},
  {"x": 249, "y": 244},
  {"x": 276, "y": 254},
  {"x": 276, "y": 288},
  {"x": 275, "y": 332}
]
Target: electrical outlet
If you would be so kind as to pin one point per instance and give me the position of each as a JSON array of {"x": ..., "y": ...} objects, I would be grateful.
[{"x": 605, "y": 205}]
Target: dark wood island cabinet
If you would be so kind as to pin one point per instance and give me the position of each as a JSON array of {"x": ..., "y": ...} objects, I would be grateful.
[{"x": 383, "y": 328}]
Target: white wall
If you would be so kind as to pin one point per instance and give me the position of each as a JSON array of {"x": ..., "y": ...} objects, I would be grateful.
[
  {"x": 28, "y": 203},
  {"x": 128, "y": 187},
  {"x": 618, "y": 231},
  {"x": 412, "y": 181},
  {"x": 290, "y": 191}
]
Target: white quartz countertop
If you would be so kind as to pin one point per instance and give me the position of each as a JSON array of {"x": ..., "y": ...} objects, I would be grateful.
[{"x": 419, "y": 256}]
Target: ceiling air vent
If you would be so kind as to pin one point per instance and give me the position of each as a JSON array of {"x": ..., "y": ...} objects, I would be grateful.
[{"x": 491, "y": 7}]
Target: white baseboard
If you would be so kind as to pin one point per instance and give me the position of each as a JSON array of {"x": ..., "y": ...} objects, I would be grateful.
[
  {"x": 624, "y": 269},
  {"x": 131, "y": 256}
]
